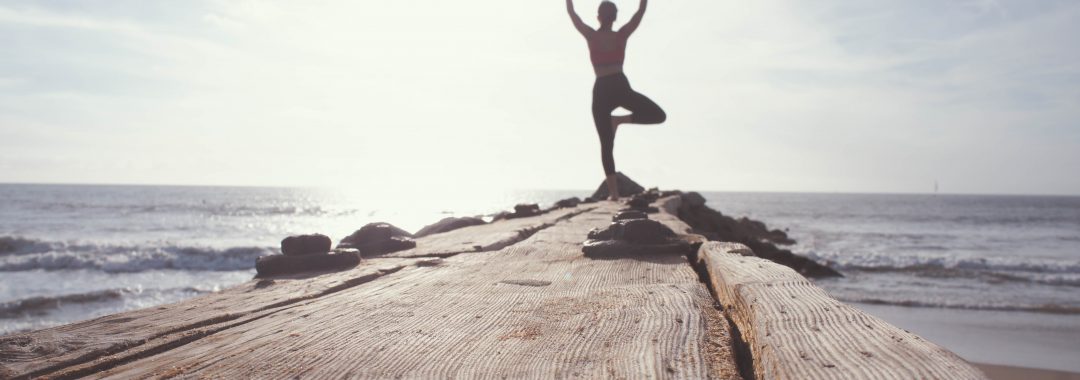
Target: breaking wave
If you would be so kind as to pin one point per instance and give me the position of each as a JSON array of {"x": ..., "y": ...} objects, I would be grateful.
[
  {"x": 992, "y": 269},
  {"x": 21, "y": 254},
  {"x": 1043, "y": 308},
  {"x": 42, "y": 305}
]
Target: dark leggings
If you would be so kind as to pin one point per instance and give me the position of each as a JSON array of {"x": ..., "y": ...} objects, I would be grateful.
[{"x": 611, "y": 92}]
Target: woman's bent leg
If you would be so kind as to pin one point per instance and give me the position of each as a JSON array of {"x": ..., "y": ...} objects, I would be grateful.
[{"x": 643, "y": 110}]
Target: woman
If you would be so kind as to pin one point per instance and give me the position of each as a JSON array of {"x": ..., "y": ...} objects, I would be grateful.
[{"x": 607, "y": 48}]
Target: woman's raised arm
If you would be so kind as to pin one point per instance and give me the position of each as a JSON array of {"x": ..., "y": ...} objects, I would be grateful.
[
  {"x": 632, "y": 25},
  {"x": 578, "y": 24}
]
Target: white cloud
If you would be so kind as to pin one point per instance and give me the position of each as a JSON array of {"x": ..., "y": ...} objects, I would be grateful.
[{"x": 840, "y": 95}]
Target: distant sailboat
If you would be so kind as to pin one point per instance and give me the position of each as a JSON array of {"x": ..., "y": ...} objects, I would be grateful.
[{"x": 935, "y": 187}]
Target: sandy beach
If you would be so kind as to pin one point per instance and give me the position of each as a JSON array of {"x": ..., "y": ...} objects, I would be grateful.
[
  {"x": 1001, "y": 372},
  {"x": 1014, "y": 345}
]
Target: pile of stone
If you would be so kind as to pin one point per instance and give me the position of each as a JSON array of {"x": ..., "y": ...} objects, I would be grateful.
[
  {"x": 754, "y": 234},
  {"x": 632, "y": 233},
  {"x": 566, "y": 203},
  {"x": 522, "y": 210},
  {"x": 312, "y": 253},
  {"x": 449, "y": 224},
  {"x": 643, "y": 202},
  {"x": 306, "y": 253},
  {"x": 627, "y": 187},
  {"x": 376, "y": 239}
]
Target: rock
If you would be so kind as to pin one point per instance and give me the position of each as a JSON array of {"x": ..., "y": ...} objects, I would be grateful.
[
  {"x": 388, "y": 246},
  {"x": 277, "y": 265},
  {"x": 567, "y": 203},
  {"x": 522, "y": 210},
  {"x": 378, "y": 239},
  {"x": 305, "y": 245},
  {"x": 693, "y": 199},
  {"x": 373, "y": 232},
  {"x": 669, "y": 193},
  {"x": 780, "y": 237},
  {"x": 642, "y": 202},
  {"x": 629, "y": 214},
  {"x": 627, "y": 187},
  {"x": 638, "y": 203},
  {"x": 754, "y": 234},
  {"x": 633, "y": 237},
  {"x": 644, "y": 231},
  {"x": 602, "y": 233},
  {"x": 526, "y": 209},
  {"x": 649, "y": 196},
  {"x": 449, "y": 224}
]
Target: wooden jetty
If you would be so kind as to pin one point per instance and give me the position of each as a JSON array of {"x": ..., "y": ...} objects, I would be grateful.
[{"x": 510, "y": 299}]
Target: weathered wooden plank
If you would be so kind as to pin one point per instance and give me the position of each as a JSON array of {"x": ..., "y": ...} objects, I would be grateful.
[
  {"x": 794, "y": 330},
  {"x": 96, "y": 343},
  {"x": 487, "y": 237},
  {"x": 48, "y": 350},
  {"x": 509, "y": 299},
  {"x": 534, "y": 309}
]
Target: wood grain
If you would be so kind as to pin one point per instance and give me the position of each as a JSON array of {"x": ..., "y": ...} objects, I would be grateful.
[
  {"x": 794, "y": 330},
  {"x": 515, "y": 298},
  {"x": 98, "y": 342},
  {"x": 534, "y": 308}
]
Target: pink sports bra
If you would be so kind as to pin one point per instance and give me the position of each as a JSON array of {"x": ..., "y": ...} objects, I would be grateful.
[{"x": 600, "y": 57}]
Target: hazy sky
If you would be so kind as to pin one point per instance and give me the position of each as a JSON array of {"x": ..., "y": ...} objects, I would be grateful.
[{"x": 773, "y": 95}]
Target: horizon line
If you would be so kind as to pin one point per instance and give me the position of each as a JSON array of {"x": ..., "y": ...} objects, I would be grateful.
[{"x": 324, "y": 187}]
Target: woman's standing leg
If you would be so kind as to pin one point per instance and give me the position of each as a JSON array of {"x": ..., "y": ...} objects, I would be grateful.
[
  {"x": 602, "y": 118},
  {"x": 603, "y": 104}
]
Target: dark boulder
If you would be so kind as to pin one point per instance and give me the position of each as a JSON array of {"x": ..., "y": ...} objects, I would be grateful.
[
  {"x": 378, "y": 239},
  {"x": 526, "y": 209},
  {"x": 522, "y": 210},
  {"x": 636, "y": 202},
  {"x": 448, "y": 224},
  {"x": 669, "y": 193},
  {"x": 780, "y": 237},
  {"x": 305, "y": 245},
  {"x": 643, "y": 231},
  {"x": 393, "y": 244},
  {"x": 278, "y": 265},
  {"x": 634, "y": 237},
  {"x": 754, "y": 234},
  {"x": 629, "y": 214},
  {"x": 372, "y": 232},
  {"x": 693, "y": 199},
  {"x": 627, "y": 187},
  {"x": 567, "y": 203},
  {"x": 642, "y": 202}
]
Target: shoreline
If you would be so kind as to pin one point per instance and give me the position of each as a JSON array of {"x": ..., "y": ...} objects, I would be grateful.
[
  {"x": 1005, "y": 372},
  {"x": 1021, "y": 340}
]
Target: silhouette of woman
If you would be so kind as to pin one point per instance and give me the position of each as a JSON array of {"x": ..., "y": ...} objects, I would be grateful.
[{"x": 607, "y": 49}]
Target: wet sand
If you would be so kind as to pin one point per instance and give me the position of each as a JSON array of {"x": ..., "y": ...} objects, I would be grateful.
[
  {"x": 1000, "y": 372},
  {"x": 1015, "y": 345}
]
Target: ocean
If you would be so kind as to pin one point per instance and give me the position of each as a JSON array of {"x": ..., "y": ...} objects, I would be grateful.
[{"x": 73, "y": 252}]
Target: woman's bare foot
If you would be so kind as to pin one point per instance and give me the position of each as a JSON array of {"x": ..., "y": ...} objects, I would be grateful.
[
  {"x": 617, "y": 120},
  {"x": 613, "y": 188}
]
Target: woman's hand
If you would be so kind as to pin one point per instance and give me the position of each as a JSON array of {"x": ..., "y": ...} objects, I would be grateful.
[{"x": 585, "y": 30}]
